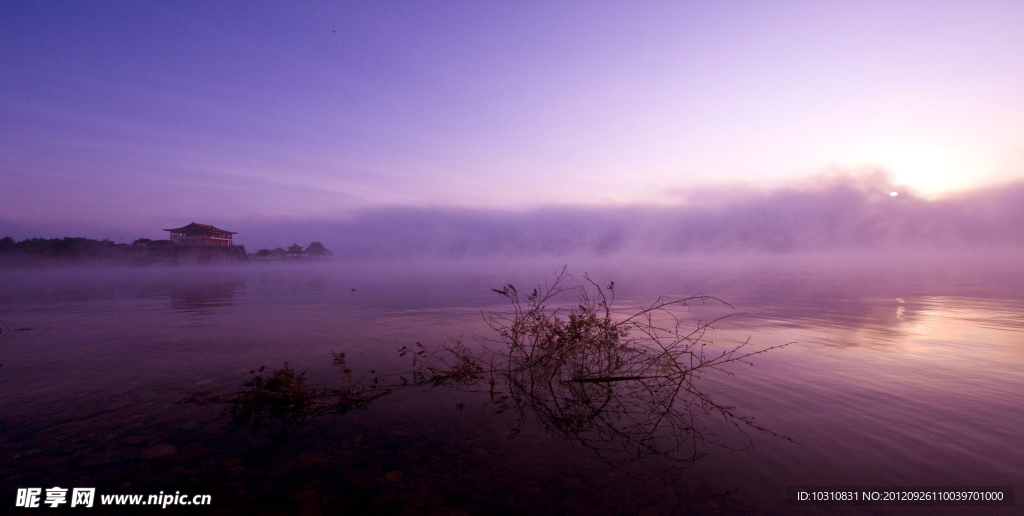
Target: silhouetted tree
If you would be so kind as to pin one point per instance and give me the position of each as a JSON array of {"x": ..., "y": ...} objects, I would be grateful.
[{"x": 317, "y": 249}]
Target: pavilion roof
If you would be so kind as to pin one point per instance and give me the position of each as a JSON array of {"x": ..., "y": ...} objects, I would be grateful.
[
  {"x": 295, "y": 248},
  {"x": 201, "y": 227}
]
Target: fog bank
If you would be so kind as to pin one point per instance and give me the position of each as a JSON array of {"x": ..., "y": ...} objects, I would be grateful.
[
  {"x": 839, "y": 215},
  {"x": 842, "y": 214}
]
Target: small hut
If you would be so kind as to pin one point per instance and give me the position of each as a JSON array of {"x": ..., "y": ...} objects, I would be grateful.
[{"x": 295, "y": 251}]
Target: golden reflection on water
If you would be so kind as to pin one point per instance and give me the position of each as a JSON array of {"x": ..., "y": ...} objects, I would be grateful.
[
  {"x": 964, "y": 330},
  {"x": 989, "y": 329}
]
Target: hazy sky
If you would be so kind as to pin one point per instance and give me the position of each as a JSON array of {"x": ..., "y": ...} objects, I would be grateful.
[{"x": 138, "y": 114}]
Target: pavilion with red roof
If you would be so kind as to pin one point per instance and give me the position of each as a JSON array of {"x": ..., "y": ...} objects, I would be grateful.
[{"x": 201, "y": 235}]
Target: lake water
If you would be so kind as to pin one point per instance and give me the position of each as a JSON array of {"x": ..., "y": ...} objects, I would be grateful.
[{"x": 906, "y": 373}]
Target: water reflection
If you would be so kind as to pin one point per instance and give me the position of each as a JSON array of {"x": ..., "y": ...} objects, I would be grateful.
[{"x": 202, "y": 297}]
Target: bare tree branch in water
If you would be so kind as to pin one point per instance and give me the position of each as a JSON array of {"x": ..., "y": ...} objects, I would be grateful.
[{"x": 622, "y": 385}]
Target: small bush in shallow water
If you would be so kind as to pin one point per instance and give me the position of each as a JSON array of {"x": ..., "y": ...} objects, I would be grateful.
[{"x": 283, "y": 399}]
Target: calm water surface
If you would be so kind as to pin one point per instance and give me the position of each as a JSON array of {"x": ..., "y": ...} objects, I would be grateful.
[{"x": 897, "y": 375}]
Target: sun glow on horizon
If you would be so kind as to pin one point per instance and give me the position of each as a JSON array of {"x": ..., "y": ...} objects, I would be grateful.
[{"x": 933, "y": 171}]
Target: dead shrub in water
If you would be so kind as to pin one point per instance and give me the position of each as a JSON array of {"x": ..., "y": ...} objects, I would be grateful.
[{"x": 622, "y": 385}]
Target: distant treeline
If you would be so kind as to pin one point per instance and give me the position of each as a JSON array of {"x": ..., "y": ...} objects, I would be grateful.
[
  {"x": 67, "y": 247},
  {"x": 141, "y": 251},
  {"x": 315, "y": 250}
]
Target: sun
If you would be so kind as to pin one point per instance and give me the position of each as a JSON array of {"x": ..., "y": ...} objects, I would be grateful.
[{"x": 929, "y": 170}]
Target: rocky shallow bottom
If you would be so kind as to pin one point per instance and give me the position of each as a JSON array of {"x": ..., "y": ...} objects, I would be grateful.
[{"x": 452, "y": 464}]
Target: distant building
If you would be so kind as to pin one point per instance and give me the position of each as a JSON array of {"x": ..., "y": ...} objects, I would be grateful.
[
  {"x": 295, "y": 250},
  {"x": 201, "y": 235}
]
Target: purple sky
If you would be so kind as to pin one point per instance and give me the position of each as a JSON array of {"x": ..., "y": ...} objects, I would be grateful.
[{"x": 129, "y": 117}]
